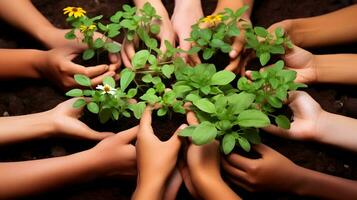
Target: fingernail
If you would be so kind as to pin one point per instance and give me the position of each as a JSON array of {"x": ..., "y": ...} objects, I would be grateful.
[
  {"x": 233, "y": 54},
  {"x": 182, "y": 126}
]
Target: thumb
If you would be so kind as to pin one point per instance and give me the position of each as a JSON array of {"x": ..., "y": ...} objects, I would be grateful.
[
  {"x": 83, "y": 131},
  {"x": 128, "y": 135},
  {"x": 277, "y": 131},
  {"x": 237, "y": 47},
  {"x": 175, "y": 140}
]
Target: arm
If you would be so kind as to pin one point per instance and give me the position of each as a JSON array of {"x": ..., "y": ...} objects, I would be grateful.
[
  {"x": 113, "y": 156},
  {"x": 261, "y": 175},
  {"x": 329, "y": 29},
  {"x": 59, "y": 121}
]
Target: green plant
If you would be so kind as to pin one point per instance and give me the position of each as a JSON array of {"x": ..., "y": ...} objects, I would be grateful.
[
  {"x": 228, "y": 107},
  {"x": 87, "y": 27}
]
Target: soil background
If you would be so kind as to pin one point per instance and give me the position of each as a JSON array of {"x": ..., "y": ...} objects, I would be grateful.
[{"x": 31, "y": 96}]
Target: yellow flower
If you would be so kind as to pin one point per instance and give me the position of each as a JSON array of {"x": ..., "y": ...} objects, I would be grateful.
[
  {"x": 74, "y": 11},
  {"x": 84, "y": 28},
  {"x": 212, "y": 19}
]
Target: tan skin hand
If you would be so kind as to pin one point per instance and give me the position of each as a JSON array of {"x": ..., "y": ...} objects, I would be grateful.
[
  {"x": 307, "y": 114},
  {"x": 59, "y": 67},
  {"x": 116, "y": 154},
  {"x": 271, "y": 172},
  {"x": 156, "y": 159},
  {"x": 65, "y": 120}
]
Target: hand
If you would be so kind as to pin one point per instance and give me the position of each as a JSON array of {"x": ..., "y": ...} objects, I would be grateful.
[
  {"x": 166, "y": 33},
  {"x": 186, "y": 13},
  {"x": 115, "y": 155},
  {"x": 301, "y": 61},
  {"x": 307, "y": 114},
  {"x": 59, "y": 68},
  {"x": 271, "y": 172},
  {"x": 288, "y": 26},
  {"x": 65, "y": 122},
  {"x": 54, "y": 38},
  {"x": 156, "y": 159}
]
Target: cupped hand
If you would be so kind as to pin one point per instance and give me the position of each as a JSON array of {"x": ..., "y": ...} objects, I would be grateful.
[
  {"x": 156, "y": 159},
  {"x": 59, "y": 68},
  {"x": 55, "y": 38},
  {"x": 116, "y": 155},
  {"x": 271, "y": 172},
  {"x": 65, "y": 120},
  {"x": 307, "y": 114}
]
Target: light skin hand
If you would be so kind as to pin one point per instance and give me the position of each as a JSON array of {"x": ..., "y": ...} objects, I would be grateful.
[
  {"x": 267, "y": 173},
  {"x": 154, "y": 170},
  {"x": 58, "y": 66},
  {"x": 186, "y": 13}
]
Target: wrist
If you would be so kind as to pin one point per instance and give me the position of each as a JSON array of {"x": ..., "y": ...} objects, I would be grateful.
[
  {"x": 43, "y": 34},
  {"x": 149, "y": 188},
  {"x": 41, "y": 123},
  {"x": 40, "y": 61}
]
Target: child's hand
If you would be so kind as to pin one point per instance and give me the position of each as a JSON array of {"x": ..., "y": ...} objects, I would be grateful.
[
  {"x": 59, "y": 68},
  {"x": 116, "y": 156},
  {"x": 186, "y": 13},
  {"x": 156, "y": 159},
  {"x": 307, "y": 114},
  {"x": 288, "y": 26},
  {"x": 271, "y": 172},
  {"x": 65, "y": 122},
  {"x": 54, "y": 38}
]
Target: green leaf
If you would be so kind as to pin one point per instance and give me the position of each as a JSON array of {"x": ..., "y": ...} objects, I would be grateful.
[
  {"x": 112, "y": 47},
  {"x": 275, "y": 102},
  {"x": 241, "y": 101},
  {"x": 147, "y": 78},
  {"x": 228, "y": 143},
  {"x": 98, "y": 43},
  {"x": 252, "y": 134},
  {"x": 75, "y": 93},
  {"x": 223, "y": 77},
  {"x": 205, "y": 105},
  {"x": 243, "y": 142},
  {"x": 108, "y": 80},
  {"x": 168, "y": 70},
  {"x": 161, "y": 112},
  {"x": 169, "y": 97},
  {"x": 264, "y": 58},
  {"x": 282, "y": 121},
  {"x": 155, "y": 29},
  {"x": 105, "y": 115},
  {"x": 253, "y": 118},
  {"x": 216, "y": 43},
  {"x": 277, "y": 49},
  {"x": 140, "y": 59},
  {"x": 82, "y": 80},
  {"x": 137, "y": 109},
  {"x": 178, "y": 107},
  {"x": 260, "y": 31},
  {"x": 70, "y": 35},
  {"x": 192, "y": 97},
  {"x": 132, "y": 92},
  {"x": 88, "y": 54},
  {"x": 93, "y": 107},
  {"x": 79, "y": 103},
  {"x": 208, "y": 53},
  {"x": 204, "y": 133},
  {"x": 187, "y": 132},
  {"x": 279, "y": 32},
  {"x": 240, "y": 11},
  {"x": 233, "y": 31},
  {"x": 180, "y": 90},
  {"x": 126, "y": 77}
]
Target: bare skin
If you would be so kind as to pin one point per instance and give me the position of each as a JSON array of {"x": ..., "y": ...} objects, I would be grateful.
[{"x": 329, "y": 29}]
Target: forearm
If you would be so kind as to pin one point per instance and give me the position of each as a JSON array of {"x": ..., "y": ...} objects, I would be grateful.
[
  {"x": 149, "y": 189},
  {"x": 337, "y": 130},
  {"x": 325, "y": 186},
  {"x": 211, "y": 188},
  {"x": 26, "y": 127},
  {"x": 33, "y": 177},
  {"x": 23, "y": 15},
  {"x": 329, "y": 29},
  {"x": 20, "y": 63},
  {"x": 336, "y": 68}
]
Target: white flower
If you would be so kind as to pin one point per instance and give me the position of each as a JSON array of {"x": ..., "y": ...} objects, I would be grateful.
[{"x": 107, "y": 89}]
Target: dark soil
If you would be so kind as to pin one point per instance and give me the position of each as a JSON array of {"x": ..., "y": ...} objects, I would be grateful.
[{"x": 29, "y": 96}]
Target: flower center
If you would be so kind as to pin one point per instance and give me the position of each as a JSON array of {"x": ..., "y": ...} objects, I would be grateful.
[
  {"x": 106, "y": 88},
  {"x": 75, "y": 9}
]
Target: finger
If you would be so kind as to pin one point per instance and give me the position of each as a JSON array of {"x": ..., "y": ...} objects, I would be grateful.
[
  {"x": 233, "y": 65},
  {"x": 114, "y": 67},
  {"x": 96, "y": 70},
  {"x": 248, "y": 74},
  {"x": 129, "y": 135},
  {"x": 240, "y": 183},
  {"x": 124, "y": 55},
  {"x": 83, "y": 131},
  {"x": 277, "y": 131},
  {"x": 237, "y": 48},
  {"x": 171, "y": 40},
  {"x": 195, "y": 59},
  {"x": 73, "y": 68},
  {"x": 188, "y": 182},
  {"x": 263, "y": 149},
  {"x": 130, "y": 50},
  {"x": 239, "y": 161},
  {"x": 145, "y": 121},
  {"x": 184, "y": 45},
  {"x": 175, "y": 140},
  {"x": 173, "y": 185},
  {"x": 191, "y": 118},
  {"x": 232, "y": 170},
  {"x": 99, "y": 79}
]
